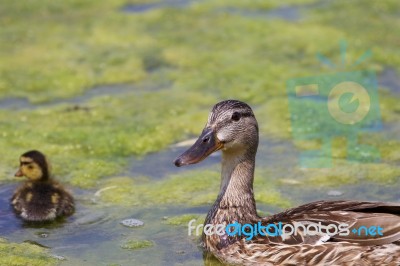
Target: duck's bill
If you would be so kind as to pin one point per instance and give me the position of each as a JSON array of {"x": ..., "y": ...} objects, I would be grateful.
[
  {"x": 206, "y": 144},
  {"x": 19, "y": 173}
]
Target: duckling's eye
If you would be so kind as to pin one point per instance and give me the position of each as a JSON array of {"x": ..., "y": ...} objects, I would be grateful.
[
  {"x": 30, "y": 167},
  {"x": 235, "y": 116}
]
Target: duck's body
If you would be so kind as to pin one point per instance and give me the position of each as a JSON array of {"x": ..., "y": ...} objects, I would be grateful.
[
  {"x": 42, "y": 201},
  {"x": 40, "y": 198},
  {"x": 311, "y": 250},
  {"x": 233, "y": 128}
]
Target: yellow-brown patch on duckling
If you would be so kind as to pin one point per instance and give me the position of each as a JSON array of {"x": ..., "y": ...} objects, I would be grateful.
[
  {"x": 28, "y": 197},
  {"x": 55, "y": 198}
]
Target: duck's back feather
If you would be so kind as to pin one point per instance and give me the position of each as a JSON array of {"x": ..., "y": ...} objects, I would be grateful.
[
  {"x": 42, "y": 201},
  {"x": 324, "y": 250},
  {"x": 353, "y": 213}
]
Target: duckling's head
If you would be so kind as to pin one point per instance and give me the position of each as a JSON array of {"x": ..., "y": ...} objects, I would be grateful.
[
  {"x": 231, "y": 127},
  {"x": 34, "y": 166}
]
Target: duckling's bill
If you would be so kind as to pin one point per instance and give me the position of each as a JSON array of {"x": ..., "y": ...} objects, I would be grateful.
[
  {"x": 19, "y": 173},
  {"x": 206, "y": 144},
  {"x": 23, "y": 161}
]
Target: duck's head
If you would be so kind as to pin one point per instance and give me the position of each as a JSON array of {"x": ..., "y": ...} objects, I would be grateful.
[
  {"x": 34, "y": 166},
  {"x": 231, "y": 127}
]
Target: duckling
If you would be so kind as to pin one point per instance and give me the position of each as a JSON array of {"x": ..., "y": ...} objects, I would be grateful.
[
  {"x": 233, "y": 129},
  {"x": 40, "y": 198}
]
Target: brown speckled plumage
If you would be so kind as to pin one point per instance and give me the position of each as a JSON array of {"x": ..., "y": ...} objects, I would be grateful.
[{"x": 238, "y": 140}]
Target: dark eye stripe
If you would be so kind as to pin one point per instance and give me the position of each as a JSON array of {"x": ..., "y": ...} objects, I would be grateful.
[
  {"x": 25, "y": 163},
  {"x": 247, "y": 114}
]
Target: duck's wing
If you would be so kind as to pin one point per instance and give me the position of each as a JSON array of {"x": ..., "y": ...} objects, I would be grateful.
[
  {"x": 63, "y": 200},
  {"x": 345, "y": 215},
  {"x": 32, "y": 203},
  {"x": 67, "y": 204},
  {"x": 16, "y": 201},
  {"x": 344, "y": 205}
]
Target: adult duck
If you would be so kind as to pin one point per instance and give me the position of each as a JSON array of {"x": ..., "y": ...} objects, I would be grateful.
[{"x": 232, "y": 128}]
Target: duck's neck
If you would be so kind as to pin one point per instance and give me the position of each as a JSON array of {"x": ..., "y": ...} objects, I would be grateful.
[
  {"x": 236, "y": 190},
  {"x": 40, "y": 180}
]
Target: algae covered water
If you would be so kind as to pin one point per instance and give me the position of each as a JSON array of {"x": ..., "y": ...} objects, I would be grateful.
[{"x": 113, "y": 92}]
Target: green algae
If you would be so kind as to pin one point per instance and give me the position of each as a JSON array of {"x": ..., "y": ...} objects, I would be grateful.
[
  {"x": 137, "y": 244},
  {"x": 390, "y": 108},
  {"x": 362, "y": 20},
  {"x": 183, "y": 219},
  {"x": 192, "y": 58},
  {"x": 14, "y": 254},
  {"x": 274, "y": 119},
  {"x": 103, "y": 52},
  {"x": 85, "y": 146},
  {"x": 255, "y": 5},
  {"x": 193, "y": 188},
  {"x": 247, "y": 68},
  {"x": 42, "y": 65},
  {"x": 345, "y": 173}
]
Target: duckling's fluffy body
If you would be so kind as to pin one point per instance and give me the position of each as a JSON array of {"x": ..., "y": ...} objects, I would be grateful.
[
  {"x": 232, "y": 128},
  {"x": 42, "y": 201},
  {"x": 40, "y": 198}
]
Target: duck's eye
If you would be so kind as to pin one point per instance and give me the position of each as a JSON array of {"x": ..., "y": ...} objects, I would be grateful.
[
  {"x": 30, "y": 167},
  {"x": 235, "y": 116}
]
